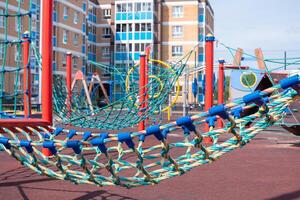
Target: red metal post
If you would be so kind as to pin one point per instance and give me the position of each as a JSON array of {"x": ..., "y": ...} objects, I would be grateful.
[
  {"x": 209, "y": 77},
  {"x": 147, "y": 51},
  {"x": 221, "y": 87},
  {"x": 69, "y": 82},
  {"x": 26, "y": 76},
  {"x": 142, "y": 89},
  {"x": 47, "y": 13}
]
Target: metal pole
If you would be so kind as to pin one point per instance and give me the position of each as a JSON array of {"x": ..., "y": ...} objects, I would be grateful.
[
  {"x": 209, "y": 72},
  {"x": 185, "y": 93},
  {"x": 221, "y": 87},
  {"x": 285, "y": 58},
  {"x": 69, "y": 82},
  {"x": 47, "y": 60},
  {"x": 147, "y": 51},
  {"x": 26, "y": 76},
  {"x": 47, "y": 13},
  {"x": 40, "y": 51},
  {"x": 142, "y": 89}
]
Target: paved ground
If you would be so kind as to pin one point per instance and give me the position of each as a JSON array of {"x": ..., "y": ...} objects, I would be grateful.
[{"x": 268, "y": 168}]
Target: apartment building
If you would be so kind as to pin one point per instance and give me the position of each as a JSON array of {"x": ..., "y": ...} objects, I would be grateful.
[
  {"x": 115, "y": 32},
  {"x": 172, "y": 27}
]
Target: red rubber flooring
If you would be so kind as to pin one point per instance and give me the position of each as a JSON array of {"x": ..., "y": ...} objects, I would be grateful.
[{"x": 267, "y": 168}]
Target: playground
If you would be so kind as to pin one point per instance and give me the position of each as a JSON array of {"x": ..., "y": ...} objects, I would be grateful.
[{"x": 224, "y": 130}]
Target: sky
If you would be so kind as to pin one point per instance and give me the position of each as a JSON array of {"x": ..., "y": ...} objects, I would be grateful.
[{"x": 273, "y": 25}]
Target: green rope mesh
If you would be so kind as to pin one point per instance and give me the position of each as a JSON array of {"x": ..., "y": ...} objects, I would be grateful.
[
  {"x": 125, "y": 112},
  {"x": 147, "y": 157},
  {"x": 11, "y": 95}
]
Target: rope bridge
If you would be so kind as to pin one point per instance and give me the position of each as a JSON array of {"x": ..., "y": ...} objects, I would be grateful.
[{"x": 147, "y": 157}]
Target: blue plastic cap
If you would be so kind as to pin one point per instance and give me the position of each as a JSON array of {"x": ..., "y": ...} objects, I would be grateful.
[
  {"x": 288, "y": 82},
  {"x": 27, "y": 145},
  {"x": 71, "y": 134},
  {"x": 221, "y": 61},
  {"x": 25, "y": 35},
  {"x": 186, "y": 130},
  {"x": 126, "y": 137},
  {"x": 50, "y": 145},
  {"x": 210, "y": 38},
  {"x": 5, "y": 142},
  {"x": 99, "y": 141},
  {"x": 75, "y": 145},
  {"x": 86, "y": 136},
  {"x": 217, "y": 110},
  {"x": 142, "y": 138},
  {"x": 46, "y": 135},
  {"x": 236, "y": 112},
  {"x": 254, "y": 97},
  {"x": 154, "y": 130},
  {"x": 211, "y": 121},
  {"x": 58, "y": 131},
  {"x": 184, "y": 120}
]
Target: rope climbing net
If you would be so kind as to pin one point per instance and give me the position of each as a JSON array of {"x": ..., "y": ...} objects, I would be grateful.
[
  {"x": 127, "y": 111},
  {"x": 147, "y": 157},
  {"x": 13, "y": 76}
]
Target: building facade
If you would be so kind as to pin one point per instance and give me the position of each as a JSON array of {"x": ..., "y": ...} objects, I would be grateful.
[{"x": 115, "y": 32}]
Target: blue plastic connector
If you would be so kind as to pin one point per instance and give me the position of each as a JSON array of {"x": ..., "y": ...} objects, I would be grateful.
[
  {"x": 126, "y": 137},
  {"x": 75, "y": 145},
  {"x": 211, "y": 121},
  {"x": 254, "y": 97},
  {"x": 51, "y": 146},
  {"x": 288, "y": 82},
  {"x": 99, "y": 141},
  {"x": 27, "y": 145}
]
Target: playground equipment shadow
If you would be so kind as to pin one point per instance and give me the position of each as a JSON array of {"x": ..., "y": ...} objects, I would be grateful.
[{"x": 268, "y": 168}]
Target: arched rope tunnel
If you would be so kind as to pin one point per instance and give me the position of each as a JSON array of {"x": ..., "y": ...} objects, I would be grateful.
[{"x": 147, "y": 157}]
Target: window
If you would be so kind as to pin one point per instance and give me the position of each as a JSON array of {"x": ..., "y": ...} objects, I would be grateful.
[
  {"x": 148, "y": 27},
  {"x": 106, "y": 33},
  {"x": 138, "y": 7},
  {"x": 64, "y": 60},
  {"x": 129, "y": 8},
  {"x": 75, "y": 39},
  {"x": 75, "y": 61},
  {"x": 121, "y": 48},
  {"x": 118, "y": 7},
  {"x": 146, "y": 7},
  {"x": 177, "y": 31},
  {"x": 177, "y": 11},
  {"x": 76, "y": 17},
  {"x": 65, "y": 36},
  {"x": 1, "y": 18},
  {"x": 105, "y": 52},
  {"x": 106, "y": 13},
  {"x": 66, "y": 13},
  {"x": 177, "y": 51},
  {"x": 123, "y": 7},
  {"x": 121, "y": 28},
  {"x": 137, "y": 27}
]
